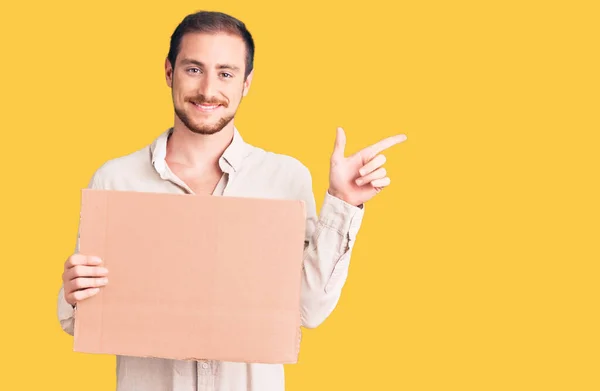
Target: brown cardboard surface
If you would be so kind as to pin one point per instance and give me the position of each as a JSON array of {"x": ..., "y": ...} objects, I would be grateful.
[{"x": 193, "y": 277}]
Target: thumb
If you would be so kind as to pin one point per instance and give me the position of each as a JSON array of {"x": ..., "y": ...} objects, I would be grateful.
[{"x": 340, "y": 144}]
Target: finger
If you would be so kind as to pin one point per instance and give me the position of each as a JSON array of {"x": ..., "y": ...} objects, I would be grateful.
[
  {"x": 382, "y": 145},
  {"x": 377, "y": 174},
  {"x": 86, "y": 271},
  {"x": 340, "y": 144},
  {"x": 372, "y": 165},
  {"x": 84, "y": 294},
  {"x": 84, "y": 283},
  {"x": 80, "y": 259},
  {"x": 383, "y": 182}
]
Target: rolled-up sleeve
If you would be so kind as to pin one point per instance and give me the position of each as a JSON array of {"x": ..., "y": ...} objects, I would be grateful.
[
  {"x": 330, "y": 237},
  {"x": 65, "y": 313}
]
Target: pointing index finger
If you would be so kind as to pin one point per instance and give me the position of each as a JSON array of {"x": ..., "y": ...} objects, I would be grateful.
[{"x": 372, "y": 150}]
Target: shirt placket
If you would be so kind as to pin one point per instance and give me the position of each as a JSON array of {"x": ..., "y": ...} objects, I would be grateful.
[
  {"x": 205, "y": 369},
  {"x": 206, "y": 375}
]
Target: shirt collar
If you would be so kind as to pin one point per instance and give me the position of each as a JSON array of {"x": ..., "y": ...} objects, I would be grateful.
[{"x": 232, "y": 157}]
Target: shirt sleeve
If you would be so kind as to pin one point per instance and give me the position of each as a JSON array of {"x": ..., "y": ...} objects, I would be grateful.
[{"x": 330, "y": 237}]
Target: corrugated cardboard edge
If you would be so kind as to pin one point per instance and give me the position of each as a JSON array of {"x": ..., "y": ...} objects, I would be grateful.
[
  {"x": 98, "y": 228},
  {"x": 299, "y": 324}
]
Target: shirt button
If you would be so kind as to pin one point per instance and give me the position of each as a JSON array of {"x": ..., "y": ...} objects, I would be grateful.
[{"x": 204, "y": 365}]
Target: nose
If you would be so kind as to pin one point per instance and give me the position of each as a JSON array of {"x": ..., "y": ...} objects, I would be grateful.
[{"x": 206, "y": 87}]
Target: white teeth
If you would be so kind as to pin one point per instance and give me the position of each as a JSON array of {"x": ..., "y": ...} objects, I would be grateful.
[{"x": 207, "y": 107}]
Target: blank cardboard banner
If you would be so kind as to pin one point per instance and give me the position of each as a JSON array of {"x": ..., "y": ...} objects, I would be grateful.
[{"x": 193, "y": 277}]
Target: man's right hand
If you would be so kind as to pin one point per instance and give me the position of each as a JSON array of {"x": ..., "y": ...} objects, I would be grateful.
[{"x": 83, "y": 277}]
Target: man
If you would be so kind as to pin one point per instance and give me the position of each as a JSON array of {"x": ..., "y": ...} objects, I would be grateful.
[{"x": 209, "y": 69}]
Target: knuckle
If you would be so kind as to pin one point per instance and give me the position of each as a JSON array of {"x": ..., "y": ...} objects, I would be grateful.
[
  {"x": 69, "y": 263},
  {"x": 76, "y": 296},
  {"x": 78, "y": 271},
  {"x": 72, "y": 260},
  {"x": 77, "y": 257},
  {"x": 84, "y": 294},
  {"x": 79, "y": 283}
]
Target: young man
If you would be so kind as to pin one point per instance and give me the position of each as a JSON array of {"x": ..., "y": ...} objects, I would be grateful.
[{"x": 209, "y": 69}]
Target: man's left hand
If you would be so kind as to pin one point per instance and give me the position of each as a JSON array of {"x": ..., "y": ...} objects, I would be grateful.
[{"x": 358, "y": 178}]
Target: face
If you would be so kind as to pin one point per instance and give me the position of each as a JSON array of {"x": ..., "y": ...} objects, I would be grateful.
[{"x": 207, "y": 81}]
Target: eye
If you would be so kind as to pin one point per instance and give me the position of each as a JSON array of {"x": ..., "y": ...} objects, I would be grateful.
[
  {"x": 227, "y": 75},
  {"x": 193, "y": 70}
]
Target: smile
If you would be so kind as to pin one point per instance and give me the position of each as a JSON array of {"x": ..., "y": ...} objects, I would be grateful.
[{"x": 205, "y": 107}]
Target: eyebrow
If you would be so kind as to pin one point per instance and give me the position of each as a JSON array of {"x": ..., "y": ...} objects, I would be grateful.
[{"x": 219, "y": 66}]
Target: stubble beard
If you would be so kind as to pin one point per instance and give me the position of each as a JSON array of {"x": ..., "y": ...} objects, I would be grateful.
[{"x": 206, "y": 128}]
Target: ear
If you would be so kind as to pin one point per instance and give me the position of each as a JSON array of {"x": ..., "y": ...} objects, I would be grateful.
[
  {"x": 247, "y": 83},
  {"x": 169, "y": 73}
]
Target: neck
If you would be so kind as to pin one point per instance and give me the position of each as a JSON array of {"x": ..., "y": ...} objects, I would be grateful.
[{"x": 197, "y": 150}]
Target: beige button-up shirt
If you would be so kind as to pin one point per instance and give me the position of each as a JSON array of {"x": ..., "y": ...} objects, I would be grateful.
[{"x": 248, "y": 171}]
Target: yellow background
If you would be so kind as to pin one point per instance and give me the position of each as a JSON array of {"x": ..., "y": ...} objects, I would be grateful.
[{"x": 476, "y": 270}]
